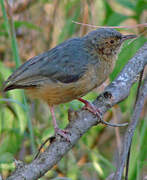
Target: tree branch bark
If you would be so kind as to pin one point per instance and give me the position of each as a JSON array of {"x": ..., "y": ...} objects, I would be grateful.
[{"x": 81, "y": 121}]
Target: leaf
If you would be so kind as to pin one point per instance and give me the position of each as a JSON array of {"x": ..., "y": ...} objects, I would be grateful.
[
  {"x": 108, "y": 11},
  {"x": 126, "y": 53},
  {"x": 14, "y": 101},
  {"x": 3, "y": 33},
  {"x": 141, "y": 5},
  {"x": 6, "y": 157},
  {"x": 127, "y": 3},
  {"x": 70, "y": 27},
  {"x": 116, "y": 19},
  {"x": 26, "y": 24}
]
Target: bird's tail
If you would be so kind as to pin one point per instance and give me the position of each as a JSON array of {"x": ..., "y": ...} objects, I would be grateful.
[
  {"x": 24, "y": 83},
  {"x": 13, "y": 86}
]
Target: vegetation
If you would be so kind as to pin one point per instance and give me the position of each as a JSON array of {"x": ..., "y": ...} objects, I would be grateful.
[{"x": 28, "y": 28}]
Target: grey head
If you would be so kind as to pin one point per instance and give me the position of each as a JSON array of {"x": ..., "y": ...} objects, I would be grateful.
[{"x": 107, "y": 41}]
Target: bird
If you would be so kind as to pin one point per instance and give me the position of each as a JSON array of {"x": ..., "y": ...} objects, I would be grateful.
[{"x": 70, "y": 70}]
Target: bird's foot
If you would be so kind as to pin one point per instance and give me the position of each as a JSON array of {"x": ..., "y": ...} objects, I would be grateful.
[
  {"x": 91, "y": 108},
  {"x": 63, "y": 133}
]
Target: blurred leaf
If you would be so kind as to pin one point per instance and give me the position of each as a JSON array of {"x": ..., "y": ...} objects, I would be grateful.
[
  {"x": 108, "y": 11},
  {"x": 6, "y": 158},
  {"x": 98, "y": 168},
  {"x": 116, "y": 19},
  {"x": 9, "y": 25},
  {"x": 69, "y": 28},
  {"x": 3, "y": 31},
  {"x": 26, "y": 24},
  {"x": 127, "y": 3},
  {"x": 141, "y": 5},
  {"x": 138, "y": 151},
  {"x": 126, "y": 53},
  {"x": 70, "y": 5},
  {"x": 4, "y": 34},
  {"x": 112, "y": 18},
  {"x": 13, "y": 101}
]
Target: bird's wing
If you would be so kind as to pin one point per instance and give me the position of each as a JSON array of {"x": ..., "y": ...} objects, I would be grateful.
[{"x": 65, "y": 63}]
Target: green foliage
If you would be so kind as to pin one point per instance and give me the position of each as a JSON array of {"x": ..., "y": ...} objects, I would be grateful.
[
  {"x": 11, "y": 31},
  {"x": 127, "y": 4},
  {"x": 18, "y": 24},
  {"x": 112, "y": 17},
  {"x": 72, "y": 12}
]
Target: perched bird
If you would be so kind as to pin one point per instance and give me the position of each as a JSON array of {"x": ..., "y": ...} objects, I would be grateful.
[{"x": 70, "y": 70}]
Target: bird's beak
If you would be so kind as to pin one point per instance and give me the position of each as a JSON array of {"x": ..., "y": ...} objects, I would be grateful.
[{"x": 126, "y": 37}]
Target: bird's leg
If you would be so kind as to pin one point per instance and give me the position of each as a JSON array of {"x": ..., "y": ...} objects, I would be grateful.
[
  {"x": 90, "y": 107},
  {"x": 58, "y": 131}
]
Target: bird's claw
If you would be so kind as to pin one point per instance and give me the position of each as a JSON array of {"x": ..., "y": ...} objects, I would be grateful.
[
  {"x": 91, "y": 108},
  {"x": 63, "y": 133}
]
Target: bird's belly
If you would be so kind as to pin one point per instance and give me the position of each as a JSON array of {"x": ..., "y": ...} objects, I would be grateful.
[{"x": 55, "y": 94}]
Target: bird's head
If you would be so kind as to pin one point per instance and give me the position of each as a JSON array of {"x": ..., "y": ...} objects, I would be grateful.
[{"x": 107, "y": 42}]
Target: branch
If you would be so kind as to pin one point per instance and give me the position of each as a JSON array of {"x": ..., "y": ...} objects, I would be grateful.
[
  {"x": 130, "y": 131},
  {"x": 81, "y": 121}
]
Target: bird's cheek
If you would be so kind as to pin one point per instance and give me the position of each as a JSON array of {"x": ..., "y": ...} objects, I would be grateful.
[{"x": 107, "y": 51}]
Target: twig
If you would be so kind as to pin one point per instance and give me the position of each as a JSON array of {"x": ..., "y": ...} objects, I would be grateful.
[
  {"x": 82, "y": 121},
  {"x": 113, "y": 124},
  {"x": 127, "y": 27}
]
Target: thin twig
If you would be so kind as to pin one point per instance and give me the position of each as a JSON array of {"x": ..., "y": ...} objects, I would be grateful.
[
  {"x": 117, "y": 27},
  {"x": 113, "y": 124},
  {"x": 42, "y": 145}
]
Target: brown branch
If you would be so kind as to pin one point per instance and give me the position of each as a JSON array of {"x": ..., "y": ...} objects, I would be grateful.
[{"x": 82, "y": 121}]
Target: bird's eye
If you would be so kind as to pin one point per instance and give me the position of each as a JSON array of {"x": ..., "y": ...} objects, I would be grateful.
[{"x": 112, "y": 41}]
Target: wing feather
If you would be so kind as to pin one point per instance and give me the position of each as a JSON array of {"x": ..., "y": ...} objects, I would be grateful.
[{"x": 66, "y": 63}]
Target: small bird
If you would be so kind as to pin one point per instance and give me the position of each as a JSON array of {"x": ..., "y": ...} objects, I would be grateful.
[{"x": 70, "y": 70}]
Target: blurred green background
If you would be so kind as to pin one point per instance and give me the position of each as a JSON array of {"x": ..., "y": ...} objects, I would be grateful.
[{"x": 30, "y": 27}]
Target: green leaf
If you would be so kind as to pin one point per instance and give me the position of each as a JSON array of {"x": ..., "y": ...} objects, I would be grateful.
[
  {"x": 6, "y": 157},
  {"x": 26, "y": 24},
  {"x": 14, "y": 101},
  {"x": 108, "y": 11},
  {"x": 12, "y": 35},
  {"x": 126, "y": 53},
  {"x": 70, "y": 27},
  {"x": 141, "y": 5},
  {"x": 116, "y": 19},
  {"x": 3, "y": 34},
  {"x": 127, "y": 3}
]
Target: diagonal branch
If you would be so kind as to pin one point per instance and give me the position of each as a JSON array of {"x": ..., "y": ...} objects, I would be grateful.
[{"x": 81, "y": 121}]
